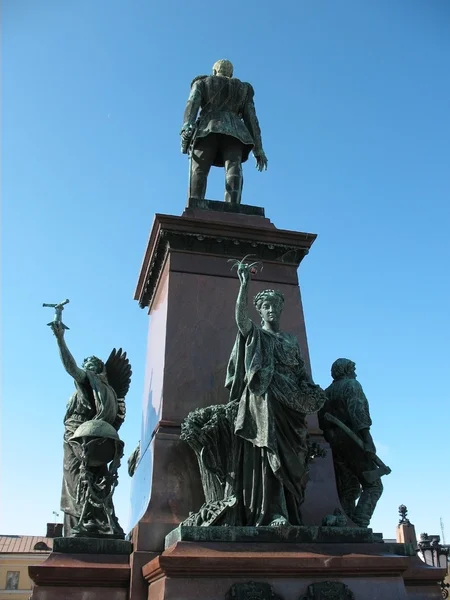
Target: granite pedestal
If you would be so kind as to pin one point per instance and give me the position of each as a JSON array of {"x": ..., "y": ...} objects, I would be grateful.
[
  {"x": 187, "y": 284},
  {"x": 83, "y": 569},
  {"x": 289, "y": 560}
]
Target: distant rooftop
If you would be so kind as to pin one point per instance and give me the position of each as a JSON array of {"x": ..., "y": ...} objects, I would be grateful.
[{"x": 25, "y": 544}]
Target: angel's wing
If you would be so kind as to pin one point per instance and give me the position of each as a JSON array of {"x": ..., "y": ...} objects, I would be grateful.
[{"x": 118, "y": 372}]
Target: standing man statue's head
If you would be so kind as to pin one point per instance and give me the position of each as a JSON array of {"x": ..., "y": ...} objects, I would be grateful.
[
  {"x": 342, "y": 368},
  {"x": 223, "y": 67}
]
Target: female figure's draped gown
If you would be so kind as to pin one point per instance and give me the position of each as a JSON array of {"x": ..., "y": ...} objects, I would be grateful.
[{"x": 267, "y": 376}]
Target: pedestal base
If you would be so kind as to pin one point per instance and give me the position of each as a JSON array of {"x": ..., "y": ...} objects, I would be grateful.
[
  {"x": 373, "y": 571},
  {"x": 84, "y": 545},
  {"x": 273, "y": 535},
  {"x": 225, "y": 207},
  {"x": 187, "y": 284},
  {"x": 83, "y": 569}
]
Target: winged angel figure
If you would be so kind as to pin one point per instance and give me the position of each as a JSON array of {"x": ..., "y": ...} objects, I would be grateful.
[{"x": 92, "y": 447}]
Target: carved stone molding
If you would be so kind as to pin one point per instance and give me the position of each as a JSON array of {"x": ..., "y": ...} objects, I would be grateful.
[
  {"x": 328, "y": 590},
  {"x": 251, "y": 590},
  {"x": 228, "y": 240}
]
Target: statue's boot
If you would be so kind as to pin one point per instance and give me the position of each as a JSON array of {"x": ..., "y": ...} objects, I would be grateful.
[
  {"x": 367, "y": 503},
  {"x": 234, "y": 181},
  {"x": 197, "y": 180}
]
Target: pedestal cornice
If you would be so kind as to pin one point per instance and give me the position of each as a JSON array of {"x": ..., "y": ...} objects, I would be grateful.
[{"x": 218, "y": 238}]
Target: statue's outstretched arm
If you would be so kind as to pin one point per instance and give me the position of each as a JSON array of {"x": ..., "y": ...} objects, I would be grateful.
[
  {"x": 66, "y": 357},
  {"x": 243, "y": 321}
]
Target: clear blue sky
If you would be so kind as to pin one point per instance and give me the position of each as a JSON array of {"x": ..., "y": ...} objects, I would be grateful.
[{"x": 353, "y": 100}]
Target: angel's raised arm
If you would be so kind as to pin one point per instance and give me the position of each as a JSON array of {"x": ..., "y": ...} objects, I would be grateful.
[{"x": 66, "y": 357}]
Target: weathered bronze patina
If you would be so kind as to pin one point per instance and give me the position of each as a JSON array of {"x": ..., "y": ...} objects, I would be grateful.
[
  {"x": 92, "y": 447},
  {"x": 346, "y": 422},
  {"x": 225, "y": 133},
  {"x": 253, "y": 452}
]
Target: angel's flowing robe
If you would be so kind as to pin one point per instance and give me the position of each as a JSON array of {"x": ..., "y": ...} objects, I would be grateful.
[
  {"x": 267, "y": 375},
  {"x": 93, "y": 399}
]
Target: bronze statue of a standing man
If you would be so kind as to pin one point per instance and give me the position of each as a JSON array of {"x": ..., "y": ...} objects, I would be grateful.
[
  {"x": 353, "y": 462},
  {"x": 225, "y": 132}
]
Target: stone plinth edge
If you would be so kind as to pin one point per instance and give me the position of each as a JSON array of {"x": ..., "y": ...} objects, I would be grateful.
[
  {"x": 243, "y": 209},
  {"x": 269, "y": 560},
  {"x": 82, "y": 570},
  {"x": 82, "y": 545},
  {"x": 220, "y": 238},
  {"x": 272, "y": 535}
]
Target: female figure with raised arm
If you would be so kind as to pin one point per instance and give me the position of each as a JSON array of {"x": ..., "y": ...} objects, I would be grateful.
[{"x": 267, "y": 377}]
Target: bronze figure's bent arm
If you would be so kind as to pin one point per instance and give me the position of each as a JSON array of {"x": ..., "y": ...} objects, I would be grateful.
[
  {"x": 303, "y": 373},
  {"x": 251, "y": 121},
  {"x": 358, "y": 407},
  {"x": 367, "y": 438},
  {"x": 193, "y": 104}
]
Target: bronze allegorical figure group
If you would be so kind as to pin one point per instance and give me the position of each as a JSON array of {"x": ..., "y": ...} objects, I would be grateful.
[{"x": 254, "y": 451}]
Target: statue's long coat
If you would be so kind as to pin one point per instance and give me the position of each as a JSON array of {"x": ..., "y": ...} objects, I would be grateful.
[{"x": 227, "y": 108}]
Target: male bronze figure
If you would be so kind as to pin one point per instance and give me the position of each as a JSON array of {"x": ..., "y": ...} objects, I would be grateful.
[
  {"x": 225, "y": 133},
  {"x": 345, "y": 420}
]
